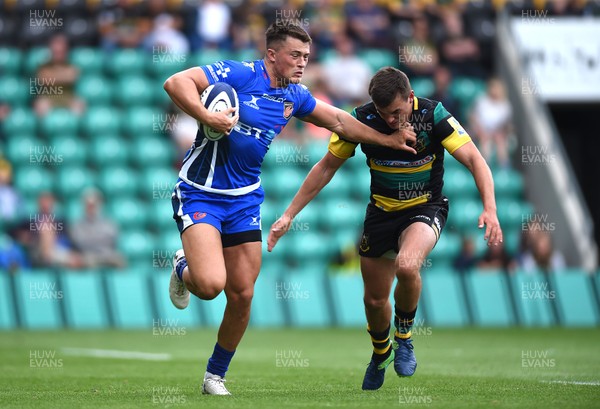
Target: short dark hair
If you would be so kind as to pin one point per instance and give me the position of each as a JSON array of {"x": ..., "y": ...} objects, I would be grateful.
[
  {"x": 277, "y": 33},
  {"x": 386, "y": 84}
]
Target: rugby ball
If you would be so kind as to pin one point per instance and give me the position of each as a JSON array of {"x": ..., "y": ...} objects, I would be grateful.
[{"x": 216, "y": 98}]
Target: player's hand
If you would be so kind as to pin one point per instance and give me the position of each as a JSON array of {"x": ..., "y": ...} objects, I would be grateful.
[
  {"x": 404, "y": 139},
  {"x": 493, "y": 232},
  {"x": 278, "y": 229},
  {"x": 222, "y": 121}
]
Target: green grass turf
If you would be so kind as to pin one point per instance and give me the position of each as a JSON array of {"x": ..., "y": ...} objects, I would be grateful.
[{"x": 465, "y": 368}]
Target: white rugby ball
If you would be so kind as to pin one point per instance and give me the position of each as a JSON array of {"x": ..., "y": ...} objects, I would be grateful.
[{"x": 217, "y": 97}]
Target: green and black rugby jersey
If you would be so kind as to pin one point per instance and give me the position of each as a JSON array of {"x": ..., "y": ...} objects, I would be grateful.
[{"x": 400, "y": 179}]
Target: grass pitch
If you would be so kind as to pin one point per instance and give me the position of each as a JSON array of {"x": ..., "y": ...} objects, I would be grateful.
[{"x": 294, "y": 368}]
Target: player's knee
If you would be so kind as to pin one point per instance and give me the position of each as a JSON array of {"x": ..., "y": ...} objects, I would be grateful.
[
  {"x": 241, "y": 297},
  {"x": 406, "y": 269},
  {"x": 375, "y": 303}
]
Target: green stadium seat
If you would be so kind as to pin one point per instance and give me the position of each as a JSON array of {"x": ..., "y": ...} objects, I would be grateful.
[
  {"x": 533, "y": 296},
  {"x": 71, "y": 181},
  {"x": 309, "y": 244},
  {"x": 20, "y": 120},
  {"x": 168, "y": 315},
  {"x": 10, "y": 61},
  {"x": 282, "y": 183},
  {"x": 466, "y": 90},
  {"x": 59, "y": 121},
  {"x": 89, "y": 60},
  {"x": 459, "y": 183},
  {"x": 512, "y": 213},
  {"x": 24, "y": 149},
  {"x": 129, "y": 300},
  {"x": 137, "y": 245},
  {"x": 133, "y": 90},
  {"x": 38, "y": 297},
  {"x": 315, "y": 151},
  {"x": 508, "y": 184},
  {"x": 267, "y": 309},
  {"x": 127, "y": 211},
  {"x": 158, "y": 182},
  {"x": 306, "y": 298},
  {"x": 377, "y": 58},
  {"x": 464, "y": 214},
  {"x": 575, "y": 299},
  {"x": 339, "y": 187},
  {"x": 423, "y": 87},
  {"x": 445, "y": 250},
  {"x": 118, "y": 181},
  {"x": 73, "y": 209},
  {"x": 161, "y": 212},
  {"x": 14, "y": 91},
  {"x": 308, "y": 219},
  {"x": 168, "y": 239},
  {"x": 209, "y": 56},
  {"x": 155, "y": 150},
  {"x": 107, "y": 150},
  {"x": 7, "y": 313},
  {"x": 95, "y": 89},
  {"x": 489, "y": 298},
  {"x": 343, "y": 212},
  {"x": 127, "y": 61},
  {"x": 34, "y": 58},
  {"x": 165, "y": 65},
  {"x": 71, "y": 149},
  {"x": 347, "y": 294},
  {"x": 85, "y": 306},
  {"x": 444, "y": 298},
  {"x": 246, "y": 55},
  {"x": 32, "y": 179},
  {"x": 101, "y": 120},
  {"x": 142, "y": 120}
]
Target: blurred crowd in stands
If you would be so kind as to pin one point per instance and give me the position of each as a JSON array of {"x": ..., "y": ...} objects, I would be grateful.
[{"x": 438, "y": 41}]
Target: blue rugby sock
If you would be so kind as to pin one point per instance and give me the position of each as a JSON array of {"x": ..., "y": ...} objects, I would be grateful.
[
  {"x": 219, "y": 361},
  {"x": 179, "y": 268}
]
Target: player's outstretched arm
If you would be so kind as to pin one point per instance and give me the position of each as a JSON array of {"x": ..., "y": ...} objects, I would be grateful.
[
  {"x": 185, "y": 87},
  {"x": 469, "y": 155},
  {"x": 318, "y": 177},
  {"x": 351, "y": 129}
]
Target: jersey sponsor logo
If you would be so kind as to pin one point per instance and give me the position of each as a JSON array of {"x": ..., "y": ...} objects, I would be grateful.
[
  {"x": 199, "y": 216},
  {"x": 257, "y": 133},
  {"x": 253, "y": 103},
  {"x": 288, "y": 109},
  {"x": 403, "y": 164},
  {"x": 371, "y": 116},
  {"x": 456, "y": 125},
  {"x": 422, "y": 216},
  {"x": 272, "y": 98}
]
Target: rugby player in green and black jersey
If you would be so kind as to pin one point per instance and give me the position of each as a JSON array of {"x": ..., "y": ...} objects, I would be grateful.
[{"x": 407, "y": 210}]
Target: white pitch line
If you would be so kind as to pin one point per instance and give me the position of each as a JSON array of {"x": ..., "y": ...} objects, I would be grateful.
[
  {"x": 587, "y": 383},
  {"x": 112, "y": 353}
]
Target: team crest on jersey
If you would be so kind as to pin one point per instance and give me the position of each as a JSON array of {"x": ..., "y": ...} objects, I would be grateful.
[
  {"x": 364, "y": 243},
  {"x": 422, "y": 141},
  {"x": 288, "y": 109},
  {"x": 249, "y": 64}
]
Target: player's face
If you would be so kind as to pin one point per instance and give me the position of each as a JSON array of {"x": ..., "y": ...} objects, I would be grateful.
[
  {"x": 289, "y": 60},
  {"x": 398, "y": 112}
]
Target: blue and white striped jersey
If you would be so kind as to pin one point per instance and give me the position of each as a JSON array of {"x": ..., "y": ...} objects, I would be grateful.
[{"x": 231, "y": 165}]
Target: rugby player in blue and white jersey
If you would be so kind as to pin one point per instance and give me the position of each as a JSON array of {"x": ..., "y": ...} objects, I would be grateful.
[{"x": 216, "y": 201}]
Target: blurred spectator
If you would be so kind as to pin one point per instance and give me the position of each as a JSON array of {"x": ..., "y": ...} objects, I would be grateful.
[
  {"x": 124, "y": 25},
  {"x": 165, "y": 38},
  {"x": 4, "y": 111},
  {"x": 347, "y": 75},
  {"x": 95, "y": 236},
  {"x": 539, "y": 253},
  {"x": 491, "y": 122},
  {"x": 418, "y": 55},
  {"x": 12, "y": 256},
  {"x": 50, "y": 246},
  {"x": 213, "y": 18},
  {"x": 368, "y": 24},
  {"x": 56, "y": 80},
  {"x": 314, "y": 79},
  {"x": 496, "y": 258},
  {"x": 458, "y": 51},
  {"x": 326, "y": 23},
  {"x": 466, "y": 259},
  {"x": 442, "y": 78},
  {"x": 10, "y": 201}
]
